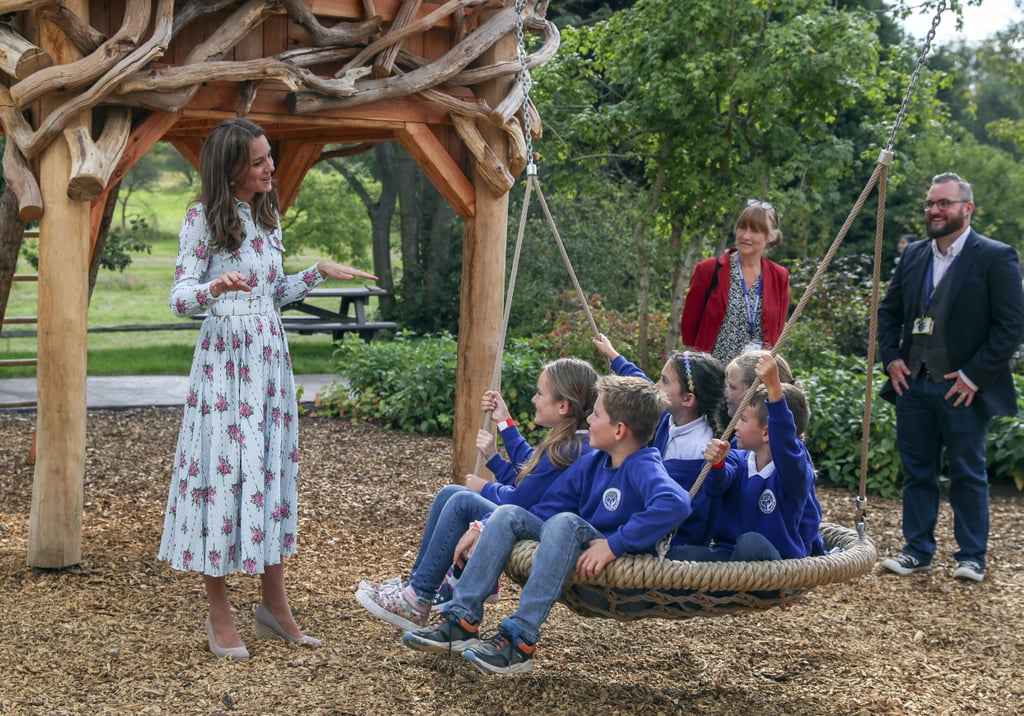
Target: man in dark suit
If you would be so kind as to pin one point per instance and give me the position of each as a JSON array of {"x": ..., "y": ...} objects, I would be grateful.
[{"x": 948, "y": 326}]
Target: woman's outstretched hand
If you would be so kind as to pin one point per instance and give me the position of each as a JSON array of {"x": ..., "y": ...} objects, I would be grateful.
[{"x": 332, "y": 269}]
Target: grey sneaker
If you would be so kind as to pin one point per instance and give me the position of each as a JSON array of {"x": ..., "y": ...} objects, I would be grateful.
[
  {"x": 502, "y": 655},
  {"x": 446, "y": 634},
  {"x": 969, "y": 569},
  {"x": 905, "y": 564},
  {"x": 394, "y": 608}
]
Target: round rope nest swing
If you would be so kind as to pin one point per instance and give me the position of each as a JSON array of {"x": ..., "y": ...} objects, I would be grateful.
[{"x": 640, "y": 586}]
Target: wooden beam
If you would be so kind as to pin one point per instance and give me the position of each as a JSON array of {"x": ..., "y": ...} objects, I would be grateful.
[
  {"x": 19, "y": 58},
  {"x": 296, "y": 157},
  {"x": 483, "y": 281},
  {"x": 22, "y": 180},
  {"x": 55, "y": 518},
  {"x": 443, "y": 172},
  {"x": 387, "y": 10},
  {"x": 92, "y": 163}
]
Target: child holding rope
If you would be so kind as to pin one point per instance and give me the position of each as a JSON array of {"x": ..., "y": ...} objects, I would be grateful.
[
  {"x": 739, "y": 376},
  {"x": 692, "y": 383},
  {"x": 566, "y": 391},
  {"x": 617, "y": 499},
  {"x": 764, "y": 501}
]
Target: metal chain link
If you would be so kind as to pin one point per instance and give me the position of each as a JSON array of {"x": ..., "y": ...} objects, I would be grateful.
[
  {"x": 525, "y": 83},
  {"x": 939, "y": 9}
]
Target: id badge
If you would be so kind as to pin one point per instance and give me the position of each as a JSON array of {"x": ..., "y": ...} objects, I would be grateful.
[
  {"x": 923, "y": 326},
  {"x": 752, "y": 346}
]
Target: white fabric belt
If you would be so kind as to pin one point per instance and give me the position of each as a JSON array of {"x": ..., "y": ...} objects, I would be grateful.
[{"x": 243, "y": 307}]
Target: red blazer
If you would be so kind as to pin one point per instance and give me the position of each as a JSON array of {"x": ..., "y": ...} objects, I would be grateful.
[{"x": 703, "y": 312}]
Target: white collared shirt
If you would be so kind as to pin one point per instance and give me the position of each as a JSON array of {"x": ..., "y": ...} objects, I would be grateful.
[
  {"x": 687, "y": 442},
  {"x": 764, "y": 473},
  {"x": 940, "y": 262}
]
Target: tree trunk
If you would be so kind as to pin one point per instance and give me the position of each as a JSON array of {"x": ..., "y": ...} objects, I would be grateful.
[
  {"x": 643, "y": 267},
  {"x": 439, "y": 257},
  {"x": 102, "y": 234},
  {"x": 12, "y": 234},
  {"x": 381, "y": 214},
  {"x": 409, "y": 180}
]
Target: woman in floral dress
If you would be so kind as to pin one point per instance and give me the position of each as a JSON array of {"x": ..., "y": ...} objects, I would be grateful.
[{"x": 232, "y": 505}]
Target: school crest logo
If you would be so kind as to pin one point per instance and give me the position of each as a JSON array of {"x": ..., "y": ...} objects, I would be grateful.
[
  {"x": 767, "y": 502},
  {"x": 611, "y": 499}
]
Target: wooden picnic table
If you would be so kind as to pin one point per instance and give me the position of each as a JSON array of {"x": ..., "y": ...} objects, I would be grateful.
[{"x": 349, "y": 316}]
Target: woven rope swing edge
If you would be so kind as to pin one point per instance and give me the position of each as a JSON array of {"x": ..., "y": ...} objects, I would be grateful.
[{"x": 642, "y": 587}]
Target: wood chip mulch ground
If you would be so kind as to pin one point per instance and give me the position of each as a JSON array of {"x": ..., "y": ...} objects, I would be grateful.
[{"x": 122, "y": 633}]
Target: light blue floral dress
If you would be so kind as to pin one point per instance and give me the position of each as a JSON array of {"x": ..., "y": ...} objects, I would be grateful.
[{"x": 233, "y": 496}]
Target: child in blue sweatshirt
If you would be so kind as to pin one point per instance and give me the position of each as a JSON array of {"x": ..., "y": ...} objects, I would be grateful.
[
  {"x": 614, "y": 500},
  {"x": 693, "y": 385},
  {"x": 764, "y": 497},
  {"x": 739, "y": 376},
  {"x": 566, "y": 390}
]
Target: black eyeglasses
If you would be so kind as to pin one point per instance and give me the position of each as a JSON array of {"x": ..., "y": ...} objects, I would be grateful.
[
  {"x": 760, "y": 204},
  {"x": 943, "y": 204}
]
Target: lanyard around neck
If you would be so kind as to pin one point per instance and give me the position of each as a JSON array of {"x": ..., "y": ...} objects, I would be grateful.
[{"x": 751, "y": 308}]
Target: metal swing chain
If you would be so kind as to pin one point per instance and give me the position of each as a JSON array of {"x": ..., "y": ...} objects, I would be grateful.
[
  {"x": 939, "y": 9},
  {"x": 525, "y": 83}
]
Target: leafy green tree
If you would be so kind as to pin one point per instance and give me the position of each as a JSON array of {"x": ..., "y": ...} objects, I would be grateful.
[
  {"x": 328, "y": 217},
  {"x": 142, "y": 176},
  {"x": 705, "y": 104},
  {"x": 383, "y": 183}
]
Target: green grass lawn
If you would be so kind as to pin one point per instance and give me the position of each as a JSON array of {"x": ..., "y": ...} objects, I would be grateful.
[{"x": 139, "y": 295}]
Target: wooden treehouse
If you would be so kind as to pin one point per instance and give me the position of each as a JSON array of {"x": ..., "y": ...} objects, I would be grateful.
[{"x": 89, "y": 86}]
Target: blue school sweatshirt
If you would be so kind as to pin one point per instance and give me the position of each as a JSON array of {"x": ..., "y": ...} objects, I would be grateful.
[
  {"x": 773, "y": 501},
  {"x": 698, "y": 528},
  {"x": 633, "y": 505},
  {"x": 505, "y": 491},
  {"x": 810, "y": 520}
]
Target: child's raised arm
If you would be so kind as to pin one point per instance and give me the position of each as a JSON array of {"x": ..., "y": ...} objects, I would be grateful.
[
  {"x": 605, "y": 347},
  {"x": 768, "y": 372}
]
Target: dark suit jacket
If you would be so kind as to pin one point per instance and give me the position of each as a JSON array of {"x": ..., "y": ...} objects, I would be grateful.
[{"x": 984, "y": 322}]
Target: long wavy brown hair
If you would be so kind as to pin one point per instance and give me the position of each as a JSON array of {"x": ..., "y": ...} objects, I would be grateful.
[
  {"x": 574, "y": 381},
  {"x": 225, "y": 159}
]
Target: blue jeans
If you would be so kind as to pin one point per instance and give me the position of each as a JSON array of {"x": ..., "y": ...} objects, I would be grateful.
[
  {"x": 561, "y": 539},
  {"x": 750, "y": 547},
  {"x": 453, "y": 509},
  {"x": 926, "y": 425}
]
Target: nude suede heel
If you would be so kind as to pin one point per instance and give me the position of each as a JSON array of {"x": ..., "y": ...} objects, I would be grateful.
[{"x": 268, "y": 628}]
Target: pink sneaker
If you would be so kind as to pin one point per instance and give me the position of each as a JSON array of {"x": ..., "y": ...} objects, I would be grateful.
[{"x": 394, "y": 608}]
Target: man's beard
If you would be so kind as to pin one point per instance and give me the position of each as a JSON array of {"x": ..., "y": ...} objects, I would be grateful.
[{"x": 952, "y": 225}]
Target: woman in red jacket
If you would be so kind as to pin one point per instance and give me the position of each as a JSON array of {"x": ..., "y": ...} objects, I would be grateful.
[{"x": 739, "y": 300}]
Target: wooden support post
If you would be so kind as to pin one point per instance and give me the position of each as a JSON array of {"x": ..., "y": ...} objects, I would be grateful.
[
  {"x": 483, "y": 280},
  {"x": 55, "y": 521}
]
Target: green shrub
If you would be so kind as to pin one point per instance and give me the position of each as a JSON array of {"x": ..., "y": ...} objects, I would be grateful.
[
  {"x": 409, "y": 383},
  {"x": 833, "y": 437},
  {"x": 570, "y": 333},
  {"x": 1005, "y": 450},
  {"x": 841, "y": 304}
]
